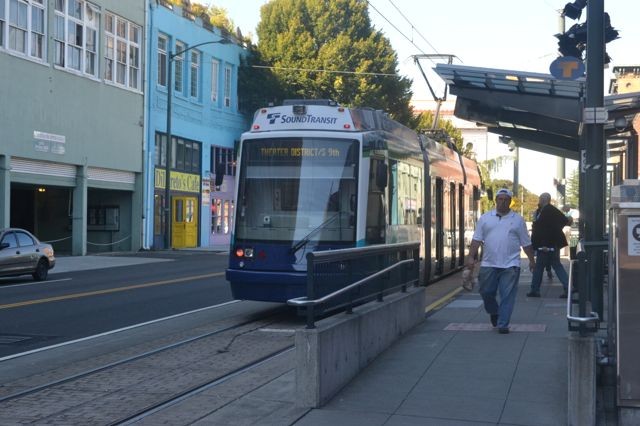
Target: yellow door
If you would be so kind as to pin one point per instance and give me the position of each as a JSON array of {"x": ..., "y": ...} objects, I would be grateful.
[{"x": 184, "y": 223}]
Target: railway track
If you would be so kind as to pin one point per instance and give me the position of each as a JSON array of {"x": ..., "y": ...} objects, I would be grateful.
[
  {"x": 149, "y": 411},
  {"x": 134, "y": 387}
]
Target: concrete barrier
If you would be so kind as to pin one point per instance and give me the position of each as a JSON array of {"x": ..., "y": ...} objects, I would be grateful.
[
  {"x": 330, "y": 355},
  {"x": 581, "y": 409}
]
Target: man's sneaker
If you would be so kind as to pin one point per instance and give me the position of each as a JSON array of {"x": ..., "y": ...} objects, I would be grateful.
[
  {"x": 503, "y": 330},
  {"x": 563, "y": 295},
  {"x": 533, "y": 294},
  {"x": 494, "y": 319}
]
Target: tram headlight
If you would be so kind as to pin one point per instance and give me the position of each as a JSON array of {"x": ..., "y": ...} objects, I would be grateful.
[
  {"x": 239, "y": 252},
  {"x": 248, "y": 252}
]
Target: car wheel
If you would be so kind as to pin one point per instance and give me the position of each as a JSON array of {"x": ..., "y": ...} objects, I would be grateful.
[{"x": 42, "y": 270}]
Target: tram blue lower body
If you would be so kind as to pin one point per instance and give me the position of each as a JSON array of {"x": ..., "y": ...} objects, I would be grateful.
[{"x": 267, "y": 286}]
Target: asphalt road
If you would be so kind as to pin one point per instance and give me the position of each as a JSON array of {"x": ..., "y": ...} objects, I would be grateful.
[{"x": 73, "y": 305}]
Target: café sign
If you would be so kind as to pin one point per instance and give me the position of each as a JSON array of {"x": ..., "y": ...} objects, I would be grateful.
[{"x": 183, "y": 182}]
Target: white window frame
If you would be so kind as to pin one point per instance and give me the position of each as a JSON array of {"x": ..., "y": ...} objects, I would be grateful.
[
  {"x": 178, "y": 68},
  {"x": 123, "y": 52},
  {"x": 162, "y": 60},
  {"x": 88, "y": 23},
  {"x": 215, "y": 71},
  {"x": 3, "y": 24},
  {"x": 30, "y": 35},
  {"x": 194, "y": 74},
  {"x": 227, "y": 86}
]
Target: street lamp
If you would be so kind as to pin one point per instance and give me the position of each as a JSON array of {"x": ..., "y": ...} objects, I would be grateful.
[
  {"x": 513, "y": 147},
  {"x": 167, "y": 168},
  {"x": 511, "y": 144}
]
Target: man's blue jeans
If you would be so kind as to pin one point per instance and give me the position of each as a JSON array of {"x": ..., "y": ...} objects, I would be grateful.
[
  {"x": 552, "y": 258},
  {"x": 503, "y": 281}
]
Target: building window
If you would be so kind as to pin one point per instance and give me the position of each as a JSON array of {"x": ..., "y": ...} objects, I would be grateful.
[
  {"x": 227, "y": 86},
  {"x": 75, "y": 36},
  {"x": 162, "y": 60},
  {"x": 161, "y": 150},
  {"x": 122, "y": 58},
  {"x": 185, "y": 153},
  {"x": 225, "y": 158},
  {"x": 195, "y": 73},
  {"x": 2, "y": 23},
  {"x": 25, "y": 31},
  {"x": 178, "y": 67},
  {"x": 215, "y": 66}
]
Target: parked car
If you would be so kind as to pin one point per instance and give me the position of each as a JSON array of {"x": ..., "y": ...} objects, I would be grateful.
[{"x": 21, "y": 253}]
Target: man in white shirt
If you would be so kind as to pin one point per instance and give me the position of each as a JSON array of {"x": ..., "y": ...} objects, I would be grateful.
[{"x": 501, "y": 232}]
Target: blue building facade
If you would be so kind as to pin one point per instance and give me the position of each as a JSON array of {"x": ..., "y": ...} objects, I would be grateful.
[{"x": 205, "y": 125}]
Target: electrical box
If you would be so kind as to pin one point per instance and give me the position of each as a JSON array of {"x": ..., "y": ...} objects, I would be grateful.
[{"x": 625, "y": 264}]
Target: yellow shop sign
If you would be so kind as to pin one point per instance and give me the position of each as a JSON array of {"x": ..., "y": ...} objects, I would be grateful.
[{"x": 182, "y": 182}]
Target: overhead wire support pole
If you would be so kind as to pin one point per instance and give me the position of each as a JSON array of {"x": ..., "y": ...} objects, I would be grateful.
[
  {"x": 593, "y": 168},
  {"x": 436, "y": 98}
]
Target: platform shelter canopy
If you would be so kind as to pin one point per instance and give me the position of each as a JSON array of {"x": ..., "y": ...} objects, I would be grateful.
[{"x": 538, "y": 111}]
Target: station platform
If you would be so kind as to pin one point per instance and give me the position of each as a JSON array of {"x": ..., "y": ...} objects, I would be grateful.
[{"x": 456, "y": 369}]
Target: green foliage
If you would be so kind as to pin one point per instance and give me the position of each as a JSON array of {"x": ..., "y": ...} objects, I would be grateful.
[
  {"x": 487, "y": 167},
  {"x": 257, "y": 87},
  {"x": 445, "y": 132},
  {"x": 303, "y": 39},
  {"x": 218, "y": 17},
  {"x": 572, "y": 193},
  {"x": 526, "y": 203}
]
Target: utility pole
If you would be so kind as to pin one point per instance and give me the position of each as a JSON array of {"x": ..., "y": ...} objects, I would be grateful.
[
  {"x": 560, "y": 161},
  {"x": 593, "y": 156}
]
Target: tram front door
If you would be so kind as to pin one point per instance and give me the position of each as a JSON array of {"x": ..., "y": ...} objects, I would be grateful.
[{"x": 184, "y": 225}]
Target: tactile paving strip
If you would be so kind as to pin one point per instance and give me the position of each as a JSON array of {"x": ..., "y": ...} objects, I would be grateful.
[{"x": 469, "y": 326}]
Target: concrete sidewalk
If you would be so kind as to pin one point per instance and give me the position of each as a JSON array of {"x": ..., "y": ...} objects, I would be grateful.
[
  {"x": 455, "y": 369},
  {"x": 114, "y": 260}
]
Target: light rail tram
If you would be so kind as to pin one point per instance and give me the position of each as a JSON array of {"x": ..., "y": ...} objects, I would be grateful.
[{"x": 313, "y": 175}]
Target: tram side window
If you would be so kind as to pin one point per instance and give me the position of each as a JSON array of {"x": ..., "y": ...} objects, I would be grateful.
[
  {"x": 375, "y": 217},
  {"x": 405, "y": 193}
]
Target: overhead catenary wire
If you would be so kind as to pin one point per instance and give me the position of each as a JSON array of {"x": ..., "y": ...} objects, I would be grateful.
[
  {"x": 363, "y": 72},
  {"x": 396, "y": 28},
  {"x": 413, "y": 27},
  {"x": 324, "y": 70}
]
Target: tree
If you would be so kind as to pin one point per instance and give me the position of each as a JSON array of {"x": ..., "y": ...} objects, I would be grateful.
[
  {"x": 218, "y": 17},
  {"x": 572, "y": 194},
  {"x": 527, "y": 202},
  {"x": 445, "y": 132},
  {"x": 257, "y": 87},
  {"x": 310, "y": 42}
]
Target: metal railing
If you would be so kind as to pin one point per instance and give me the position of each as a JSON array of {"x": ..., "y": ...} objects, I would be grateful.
[
  {"x": 582, "y": 323},
  {"x": 337, "y": 280}
]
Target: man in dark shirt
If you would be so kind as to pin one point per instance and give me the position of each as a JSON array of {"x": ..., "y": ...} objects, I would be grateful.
[{"x": 547, "y": 239}]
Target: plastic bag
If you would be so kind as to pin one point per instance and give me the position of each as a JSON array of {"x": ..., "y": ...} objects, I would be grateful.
[{"x": 469, "y": 278}]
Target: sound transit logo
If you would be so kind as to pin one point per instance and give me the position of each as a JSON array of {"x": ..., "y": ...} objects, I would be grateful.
[{"x": 293, "y": 119}]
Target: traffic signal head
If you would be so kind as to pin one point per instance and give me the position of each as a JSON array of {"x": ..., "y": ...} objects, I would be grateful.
[
  {"x": 574, "y": 10},
  {"x": 574, "y": 41},
  {"x": 610, "y": 33}
]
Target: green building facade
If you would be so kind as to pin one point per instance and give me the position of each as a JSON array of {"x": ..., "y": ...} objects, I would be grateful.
[{"x": 71, "y": 122}]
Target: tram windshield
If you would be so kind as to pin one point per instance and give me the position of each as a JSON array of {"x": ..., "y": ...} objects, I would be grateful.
[{"x": 297, "y": 190}]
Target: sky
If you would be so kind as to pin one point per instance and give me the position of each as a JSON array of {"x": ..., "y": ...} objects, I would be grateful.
[{"x": 504, "y": 34}]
